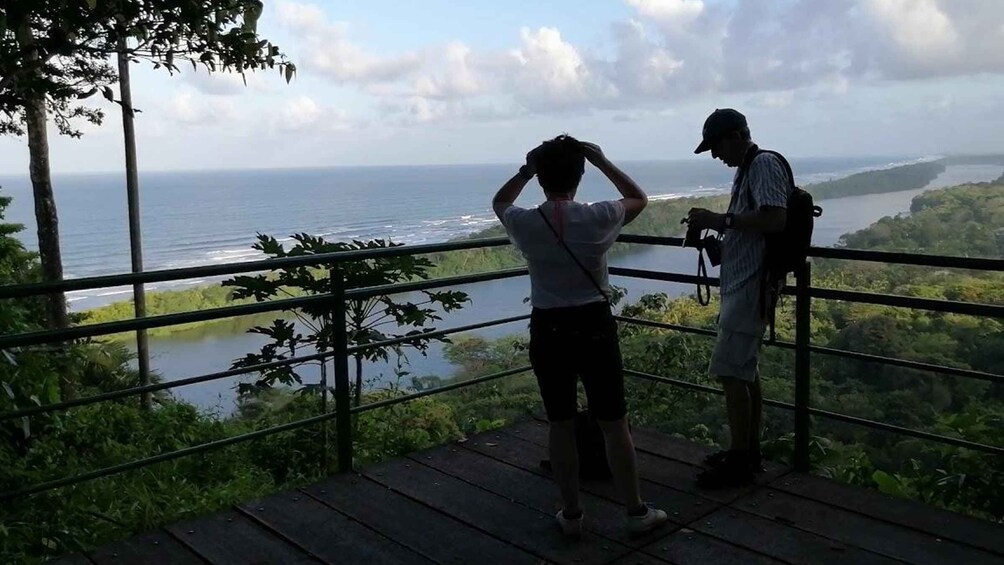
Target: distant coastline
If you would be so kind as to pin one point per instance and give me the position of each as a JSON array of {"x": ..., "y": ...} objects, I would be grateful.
[{"x": 661, "y": 211}]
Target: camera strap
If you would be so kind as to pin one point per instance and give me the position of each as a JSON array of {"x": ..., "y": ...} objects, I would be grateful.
[
  {"x": 703, "y": 295},
  {"x": 574, "y": 258},
  {"x": 703, "y": 282}
]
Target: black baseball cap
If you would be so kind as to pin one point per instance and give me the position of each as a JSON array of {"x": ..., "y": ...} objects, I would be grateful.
[{"x": 720, "y": 122}]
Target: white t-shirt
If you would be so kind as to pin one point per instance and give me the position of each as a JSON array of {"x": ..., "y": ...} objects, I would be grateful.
[{"x": 588, "y": 229}]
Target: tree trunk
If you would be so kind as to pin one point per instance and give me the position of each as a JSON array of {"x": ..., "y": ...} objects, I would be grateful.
[
  {"x": 135, "y": 231},
  {"x": 46, "y": 219}
]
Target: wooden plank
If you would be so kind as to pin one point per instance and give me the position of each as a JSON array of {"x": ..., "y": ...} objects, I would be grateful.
[
  {"x": 783, "y": 542},
  {"x": 637, "y": 558},
  {"x": 231, "y": 538},
  {"x": 645, "y": 439},
  {"x": 861, "y": 531},
  {"x": 683, "y": 477},
  {"x": 691, "y": 453},
  {"x": 681, "y": 506},
  {"x": 917, "y": 515},
  {"x": 533, "y": 431},
  {"x": 655, "y": 468},
  {"x": 151, "y": 547},
  {"x": 604, "y": 517},
  {"x": 671, "y": 447},
  {"x": 325, "y": 533},
  {"x": 435, "y": 535},
  {"x": 687, "y": 547},
  {"x": 533, "y": 531},
  {"x": 75, "y": 559}
]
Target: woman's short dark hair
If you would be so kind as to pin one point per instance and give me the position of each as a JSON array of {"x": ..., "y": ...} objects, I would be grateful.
[{"x": 560, "y": 164}]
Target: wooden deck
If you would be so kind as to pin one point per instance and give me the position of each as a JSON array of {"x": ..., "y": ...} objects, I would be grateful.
[{"x": 486, "y": 501}]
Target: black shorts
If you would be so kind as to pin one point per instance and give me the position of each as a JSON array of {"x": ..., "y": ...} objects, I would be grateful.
[{"x": 580, "y": 342}]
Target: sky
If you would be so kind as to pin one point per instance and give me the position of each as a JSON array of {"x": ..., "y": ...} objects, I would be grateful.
[{"x": 385, "y": 82}]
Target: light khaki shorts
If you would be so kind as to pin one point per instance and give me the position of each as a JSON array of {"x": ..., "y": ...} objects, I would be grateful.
[{"x": 740, "y": 334}]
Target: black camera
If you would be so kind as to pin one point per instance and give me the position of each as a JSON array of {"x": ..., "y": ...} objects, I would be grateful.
[{"x": 710, "y": 244}]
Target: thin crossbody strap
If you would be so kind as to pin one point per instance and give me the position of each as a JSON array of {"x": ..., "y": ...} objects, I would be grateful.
[{"x": 574, "y": 258}]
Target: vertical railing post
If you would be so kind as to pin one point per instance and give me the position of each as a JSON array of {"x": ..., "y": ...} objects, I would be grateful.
[
  {"x": 803, "y": 309},
  {"x": 343, "y": 418},
  {"x": 326, "y": 425}
]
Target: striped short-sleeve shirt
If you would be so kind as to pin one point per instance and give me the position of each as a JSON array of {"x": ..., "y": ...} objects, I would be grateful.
[{"x": 764, "y": 184}]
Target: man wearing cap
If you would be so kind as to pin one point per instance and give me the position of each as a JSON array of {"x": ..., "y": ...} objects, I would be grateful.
[{"x": 760, "y": 193}]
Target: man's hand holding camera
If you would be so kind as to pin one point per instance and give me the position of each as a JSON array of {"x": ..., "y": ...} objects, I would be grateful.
[
  {"x": 698, "y": 220},
  {"x": 704, "y": 219}
]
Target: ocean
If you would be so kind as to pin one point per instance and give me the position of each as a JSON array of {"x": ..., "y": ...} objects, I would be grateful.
[
  {"x": 210, "y": 217},
  {"x": 206, "y": 217}
]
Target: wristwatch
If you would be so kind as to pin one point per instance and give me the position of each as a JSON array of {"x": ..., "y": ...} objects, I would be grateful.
[
  {"x": 525, "y": 172},
  {"x": 730, "y": 220}
]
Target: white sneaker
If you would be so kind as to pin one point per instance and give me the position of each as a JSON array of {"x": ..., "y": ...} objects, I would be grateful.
[
  {"x": 647, "y": 522},
  {"x": 571, "y": 527}
]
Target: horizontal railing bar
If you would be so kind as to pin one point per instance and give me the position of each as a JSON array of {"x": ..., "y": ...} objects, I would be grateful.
[
  {"x": 435, "y": 334},
  {"x": 662, "y": 276},
  {"x": 398, "y": 288},
  {"x": 164, "y": 275},
  {"x": 36, "y": 289},
  {"x": 161, "y": 458},
  {"x": 944, "y": 369},
  {"x": 149, "y": 322},
  {"x": 665, "y": 326},
  {"x": 135, "y": 391},
  {"x": 994, "y": 450},
  {"x": 440, "y": 389},
  {"x": 698, "y": 387},
  {"x": 919, "y": 259},
  {"x": 651, "y": 240},
  {"x": 934, "y": 305},
  {"x": 991, "y": 449},
  {"x": 219, "y": 444}
]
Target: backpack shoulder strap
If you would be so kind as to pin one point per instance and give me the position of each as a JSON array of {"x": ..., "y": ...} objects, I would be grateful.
[
  {"x": 574, "y": 258},
  {"x": 787, "y": 166},
  {"x": 784, "y": 162}
]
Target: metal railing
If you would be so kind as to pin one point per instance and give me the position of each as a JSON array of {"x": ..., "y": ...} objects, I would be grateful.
[{"x": 338, "y": 296}]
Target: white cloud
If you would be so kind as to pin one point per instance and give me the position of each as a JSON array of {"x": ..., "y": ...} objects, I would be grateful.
[
  {"x": 305, "y": 17},
  {"x": 455, "y": 77},
  {"x": 643, "y": 67},
  {"x": 674, "y": 13},
  {"x": 304, "y": 114},
  {"x": 300, "y": 112},
  {"x": 932, "y": 38},
  {"x": 551, "y": 73},
  {"x": 918, "y": 26},
  {"x": 781, "y": 99},
  {"x": 191, "y": 109},
  {"x": 326, "y": 49},
  {"x": 670, "y": 51},
  {"x": 224, "y": 84}
]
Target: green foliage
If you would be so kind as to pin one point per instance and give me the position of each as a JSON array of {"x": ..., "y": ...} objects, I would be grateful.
[
  {"x": 94, "y": 437},
  {"x": 492, "y": 404},
  {"x": 367, "y": 321},
  {"x": 904, "y": 177},
  {"x": 403, "y": 428},
  {"x": 58, "y": 51},
  {"x": 967, "y": 221}
]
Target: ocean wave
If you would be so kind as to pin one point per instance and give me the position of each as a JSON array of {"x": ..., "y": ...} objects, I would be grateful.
[{"x": 114, "y": 292}]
